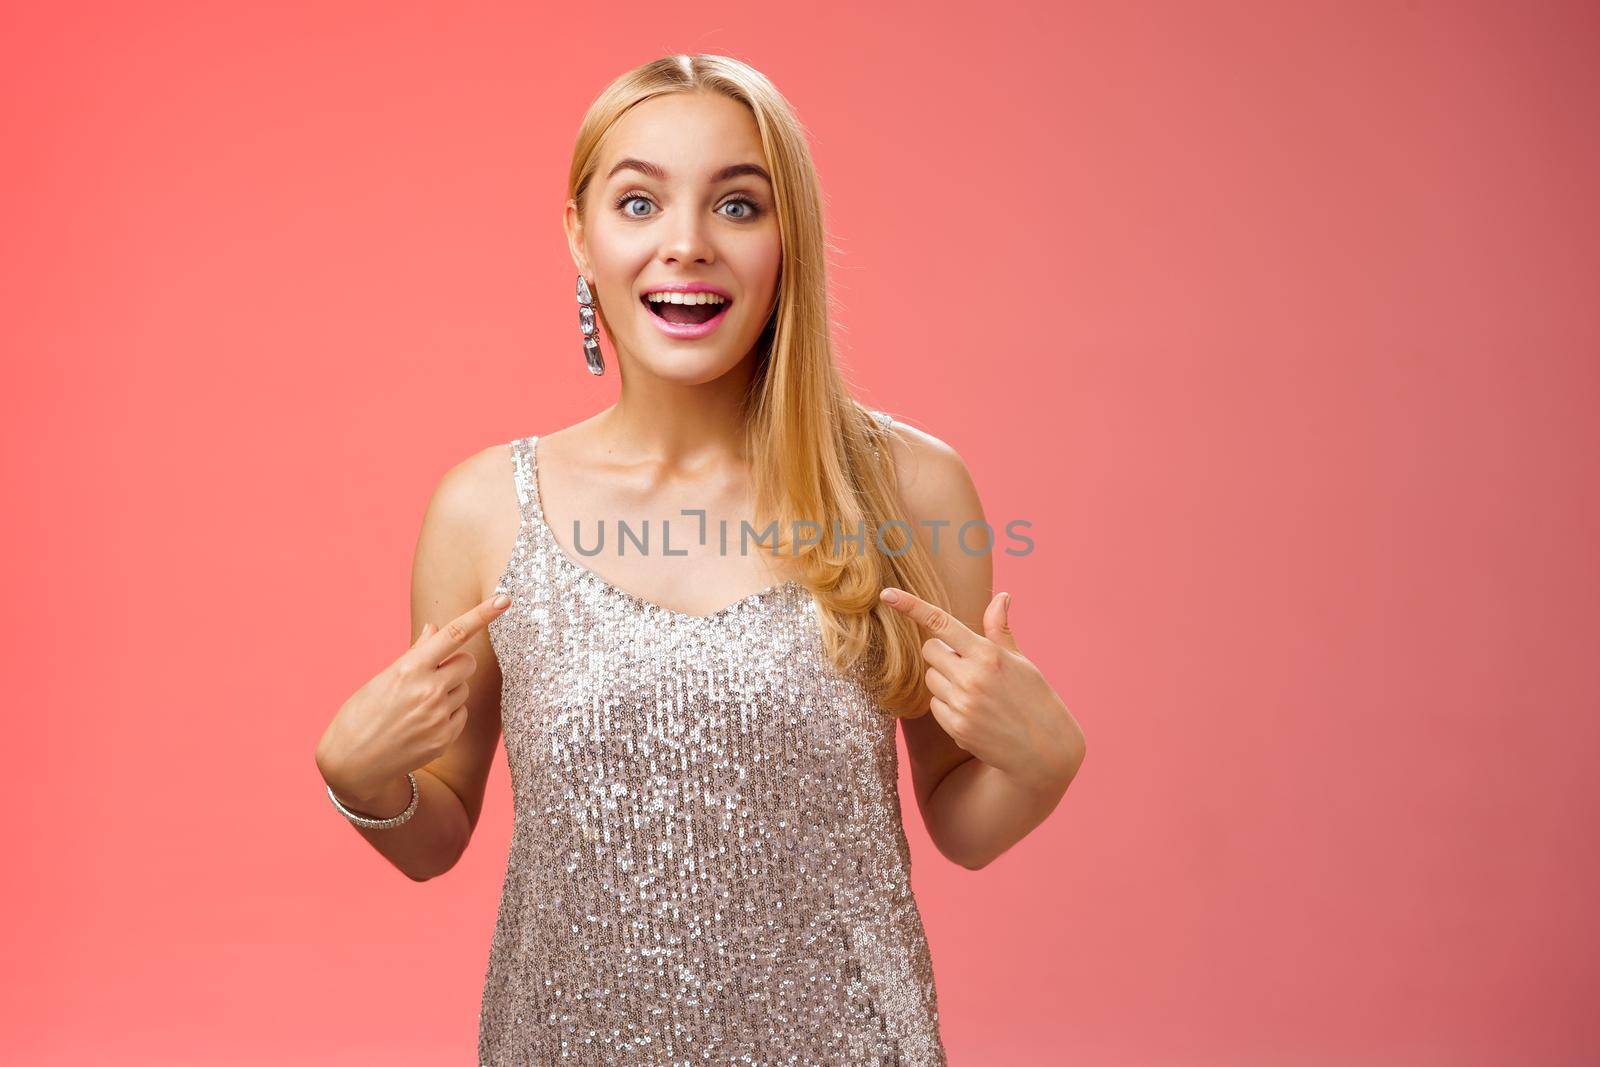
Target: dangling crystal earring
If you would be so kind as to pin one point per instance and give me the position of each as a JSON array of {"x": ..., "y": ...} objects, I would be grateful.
[{"x": 591, "y": 343}]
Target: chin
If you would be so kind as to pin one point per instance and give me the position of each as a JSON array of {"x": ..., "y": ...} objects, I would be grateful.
[
  {"x": 687, "y": 364},
  {"x": 686, "y": 369}
]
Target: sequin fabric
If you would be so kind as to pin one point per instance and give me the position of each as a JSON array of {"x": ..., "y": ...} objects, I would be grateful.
[{"x": 708, "y": 863}]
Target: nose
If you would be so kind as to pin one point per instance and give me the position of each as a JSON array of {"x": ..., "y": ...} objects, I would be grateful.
[{"x": 685, "y": 240}]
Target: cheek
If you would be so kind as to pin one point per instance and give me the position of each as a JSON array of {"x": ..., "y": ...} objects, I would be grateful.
[
  {"x": 761, "y": 263},
  {"x": 616, "y": 250},
  {"x": 617, "y": 264}
]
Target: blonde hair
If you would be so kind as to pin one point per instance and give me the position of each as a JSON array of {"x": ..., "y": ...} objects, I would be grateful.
[{"x": 817, "y": 455}]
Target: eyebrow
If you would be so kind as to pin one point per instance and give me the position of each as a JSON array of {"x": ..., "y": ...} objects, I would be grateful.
[{"x": 644, "y": 166}]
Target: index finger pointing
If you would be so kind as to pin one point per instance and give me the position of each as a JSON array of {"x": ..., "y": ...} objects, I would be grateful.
[
  {"x": 459, "y": 630},
  {"x": 932, "y": 618}
]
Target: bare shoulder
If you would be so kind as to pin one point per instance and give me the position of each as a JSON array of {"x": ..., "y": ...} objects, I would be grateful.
[
  {"x": 935, "y": 484},
  {"x": 940, "y": 500},
  {"x": 472, "y": 515},
  {"x": 471, "y": 493}
]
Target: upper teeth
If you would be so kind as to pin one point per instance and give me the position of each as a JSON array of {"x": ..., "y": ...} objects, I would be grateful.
[{"x": 685, "y": 298}]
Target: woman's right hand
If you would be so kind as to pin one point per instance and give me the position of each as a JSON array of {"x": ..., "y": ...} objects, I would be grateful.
[{"x": 409, "y": 713}]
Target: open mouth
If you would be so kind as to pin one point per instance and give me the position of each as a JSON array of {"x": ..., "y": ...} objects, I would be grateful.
[{"x": 685, "y": 314}]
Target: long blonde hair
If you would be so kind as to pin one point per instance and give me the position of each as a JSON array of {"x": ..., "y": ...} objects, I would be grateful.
[{"x": 817, "y": 455}]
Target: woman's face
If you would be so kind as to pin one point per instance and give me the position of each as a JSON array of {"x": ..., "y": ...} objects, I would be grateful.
[{"x": 663, "y": 211}]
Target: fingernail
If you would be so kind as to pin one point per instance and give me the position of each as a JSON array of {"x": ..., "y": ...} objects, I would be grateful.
[
  {"x": 501, "y": 601},
  {"x": 888, "y": 595}
]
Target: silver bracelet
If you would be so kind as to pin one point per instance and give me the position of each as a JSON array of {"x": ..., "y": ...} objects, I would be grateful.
[{"x": 379, "y": 824}]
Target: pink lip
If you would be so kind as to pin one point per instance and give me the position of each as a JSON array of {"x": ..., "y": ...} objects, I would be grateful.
[{"x": 687, "y": 330}]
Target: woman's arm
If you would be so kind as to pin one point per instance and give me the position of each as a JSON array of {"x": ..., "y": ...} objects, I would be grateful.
[
  {"x": 468, "y": 510},
  {"x": 974, "y": 810}
]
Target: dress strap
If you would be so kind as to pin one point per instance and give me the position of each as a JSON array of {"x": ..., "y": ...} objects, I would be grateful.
[
  {"x": 527, "y": 487},
  {"x": 527, "y": 479},
  {"x": 884, "y": 420}
]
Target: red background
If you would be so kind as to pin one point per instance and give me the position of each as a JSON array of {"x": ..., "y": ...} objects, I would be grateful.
[{"x": 1277, "y": 321}]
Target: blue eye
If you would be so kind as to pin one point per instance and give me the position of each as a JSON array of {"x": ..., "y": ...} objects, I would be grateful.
[
  {"x": 751, "y": 208},
  {"x": 625, "y": 199}
]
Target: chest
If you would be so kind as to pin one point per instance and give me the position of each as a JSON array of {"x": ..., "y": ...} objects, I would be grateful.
[{"x": 606, "y": 691}]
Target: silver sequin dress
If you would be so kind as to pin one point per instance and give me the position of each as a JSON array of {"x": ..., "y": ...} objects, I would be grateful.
[{"x": 708, "y": 864}]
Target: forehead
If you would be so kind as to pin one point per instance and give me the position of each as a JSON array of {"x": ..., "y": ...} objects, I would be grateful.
[{"x": 690, "y": 134}]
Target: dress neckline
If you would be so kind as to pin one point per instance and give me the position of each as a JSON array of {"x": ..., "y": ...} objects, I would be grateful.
[{"x": 633, "y": 599}]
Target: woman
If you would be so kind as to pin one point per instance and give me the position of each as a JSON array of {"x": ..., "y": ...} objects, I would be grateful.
[{"x": 708, "y": 861}]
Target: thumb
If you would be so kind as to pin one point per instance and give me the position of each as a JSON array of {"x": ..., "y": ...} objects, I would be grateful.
[{"x": 997, "y": 622}]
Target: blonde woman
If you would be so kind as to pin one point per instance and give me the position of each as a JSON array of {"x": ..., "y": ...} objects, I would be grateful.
[{"x": 708, "y": 862}]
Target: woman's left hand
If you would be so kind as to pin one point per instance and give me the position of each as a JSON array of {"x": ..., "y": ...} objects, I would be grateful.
[{"x": 990, "y": 699}]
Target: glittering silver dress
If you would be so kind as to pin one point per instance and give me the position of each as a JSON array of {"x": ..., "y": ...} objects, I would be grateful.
[{"x": 708, "y": 864}]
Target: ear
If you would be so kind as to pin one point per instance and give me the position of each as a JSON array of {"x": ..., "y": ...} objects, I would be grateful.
[{"x": 573, "y": 225}]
